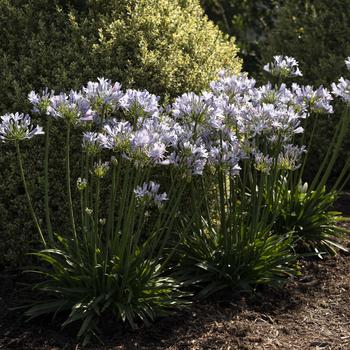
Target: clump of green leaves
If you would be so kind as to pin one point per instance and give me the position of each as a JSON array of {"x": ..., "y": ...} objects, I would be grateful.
[{"x": 309, "y": 215}]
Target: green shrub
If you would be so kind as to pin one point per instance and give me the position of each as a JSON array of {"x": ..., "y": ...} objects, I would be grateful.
[
  {"x": 167, "y": 47},
  {"x": 316, "y": 33}
]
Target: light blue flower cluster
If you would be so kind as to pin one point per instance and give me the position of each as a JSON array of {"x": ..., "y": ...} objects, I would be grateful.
[
  {"x": 283, "y": 67},
  {"x": 17, "y": 127},
  {"x": 216, "y": 128},
  {"x": 342, "y": 89},
  {"x": 317, "y": 101},
  {"x": 148, "y": 193},
  {"x": 347, "y": 63}
]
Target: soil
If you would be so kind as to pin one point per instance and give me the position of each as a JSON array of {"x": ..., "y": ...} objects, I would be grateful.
[{"x": 312, "y": 312}]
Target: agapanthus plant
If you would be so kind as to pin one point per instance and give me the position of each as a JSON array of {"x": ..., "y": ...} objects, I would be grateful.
[
  {"x": 109, "y": 259},
  {"x": 313, "y": 222},
  {"x": 228, "y": 242},
  {"x": 207, "y": 191}
]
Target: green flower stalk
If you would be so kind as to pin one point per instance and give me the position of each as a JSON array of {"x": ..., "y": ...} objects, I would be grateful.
[
  {"x": 46, "y": 183},
  {"x": 30, "y": 205}
]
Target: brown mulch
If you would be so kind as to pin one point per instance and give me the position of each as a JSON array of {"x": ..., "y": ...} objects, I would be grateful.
[{"x": 312, "y": 312}]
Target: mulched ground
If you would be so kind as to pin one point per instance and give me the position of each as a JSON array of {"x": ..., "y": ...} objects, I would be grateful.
[{"x": 312, "y": 312}]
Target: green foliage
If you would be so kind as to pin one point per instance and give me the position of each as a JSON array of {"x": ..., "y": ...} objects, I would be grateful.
[
  {"x": 255, "y": 259},
  {"x": 134, "y": 290},
  {"x": 228, "y": 243},
  {"x": 167, "y": 47},
  {"x": 316, "y": 33},
  {"x": 309, "y": 215}
]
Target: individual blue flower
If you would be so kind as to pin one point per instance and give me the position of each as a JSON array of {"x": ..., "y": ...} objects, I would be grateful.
[
  {"x": 233, "y": 86},
  {"x": 157, "y": 152},
  {"x": 91, "y": 143},
  {"x": 283, "y": 67},
  {"x": 100, "y": 169},
  {"x": 148, "y": 194},
  {"x": 262, "y": 162},
  {"x": 281, "y": 96},
  {"x": 18, "y": 127},
  {"x": 225, "y": 154},
  {"x": 103, "y": 92},
  {"x": 289, "y": 158},
  {"x": 116, "y": 135},
  {"x": 72, "y": 107},
  {"x": 189, "y": 107},
  {"x": 81, "y": 184},
  {"x": 342, "y": 89},
  {"x": 103, "y": 97},
  {"x": 140, "y": 103},
  {"x": 193, "y": 157},
  {"x": 347, "y": 63},
  {"x": 317, "y": 101},
  {"x": 41, "y": 103}
]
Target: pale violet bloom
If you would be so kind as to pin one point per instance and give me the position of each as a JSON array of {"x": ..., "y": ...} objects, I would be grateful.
[
  {"x": 193, "y": 157},
  {"x": 281, "y": 97},
  {"x": 147, "y": 143},
  {"x": 142, "y": 138},
  {"x": 92, "y": 143},
  {"x": 18, "y": 127},
  {"x": 41, "y": 103},
  {"x": 347, "y": 62},
  {"x": 317, "y": 101},
  {"x": 290, "y": 158},
  {"x": 101, "y": 168},
  {"x": 72, "y": 107},
  {"x": 157, "y": 151},
  {"x": 140, "y": 103},
  {"x": 225, "y": 154},
  {"x": 142, "y": 143},
  {"x": 262, "y": 162},
  {"x": 148, "y": 194},
  {"x": 342, "y": 89},
  {"x": 283, "y": 67},
  {"x": 233, "y": 86},
  {"x": 189, "y": 106},
  {"x": 270, "y": 120},
  {"x": 81, "y": 184},
  {"x": 103, "y": 92},
  {"x": 116, "y": 135}
]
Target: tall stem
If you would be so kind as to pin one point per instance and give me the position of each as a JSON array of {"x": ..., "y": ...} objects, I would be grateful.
[
  {"x": 31, "y": 209},
  {"x": 69, "y": 192},
  {"x": 46, "y": 182}
]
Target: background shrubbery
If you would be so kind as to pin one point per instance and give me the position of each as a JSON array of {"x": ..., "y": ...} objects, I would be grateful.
[{"x": 166, "y": 46}]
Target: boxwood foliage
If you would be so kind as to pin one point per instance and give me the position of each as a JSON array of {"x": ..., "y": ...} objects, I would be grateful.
[
  {"x": 165, "y": 46},
  {"x": 316, "y": 33}
]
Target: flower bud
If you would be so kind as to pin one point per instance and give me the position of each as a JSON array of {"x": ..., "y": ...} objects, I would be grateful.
[
  {"x": 102, "y": 221},
  {"x": 88, "y": 211},
  {"x": 81, "y": 184},
  {"x": 100, "y": 169}
]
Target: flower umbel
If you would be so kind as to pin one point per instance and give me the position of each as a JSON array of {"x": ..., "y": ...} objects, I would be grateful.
[
  {"x": 283, "y": 67},
  {"x": 17, "y": 127},
  {"x": 342, "y": 89},
  {"x": 148, "y": 194}
]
